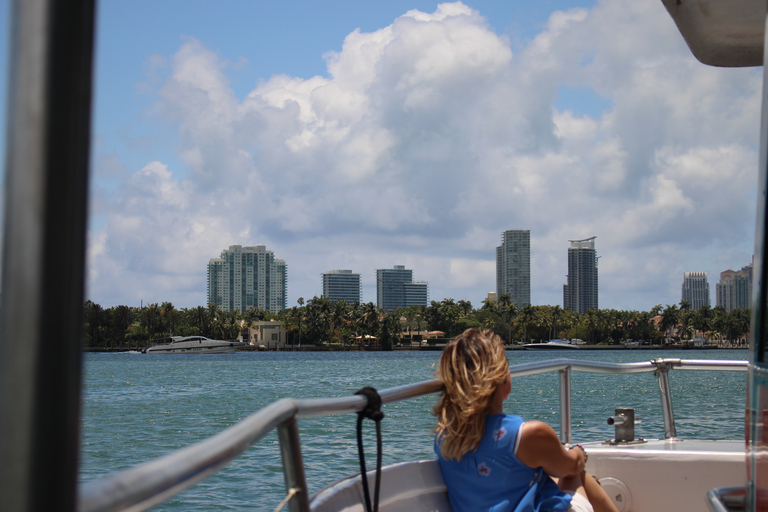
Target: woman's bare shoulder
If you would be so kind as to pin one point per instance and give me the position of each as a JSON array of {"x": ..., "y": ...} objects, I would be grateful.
[
  {"x": 538, "y": 431},
  {"x": 540, "y": 446}
]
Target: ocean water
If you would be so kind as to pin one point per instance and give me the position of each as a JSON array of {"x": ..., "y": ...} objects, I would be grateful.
[{"x": 138, "y": 407}]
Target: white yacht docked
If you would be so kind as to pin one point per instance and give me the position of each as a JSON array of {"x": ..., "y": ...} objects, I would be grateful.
[
  {"x": 551, "y": 345},
  {"x": 193, "y": 345}
]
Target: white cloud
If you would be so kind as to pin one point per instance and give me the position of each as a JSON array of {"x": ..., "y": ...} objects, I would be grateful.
[{"x": 427, "y": 139}]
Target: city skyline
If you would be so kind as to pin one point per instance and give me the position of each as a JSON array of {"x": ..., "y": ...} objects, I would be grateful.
[
  {"x": 733, "y": 290},
  {"x": 330, "y": 139}
]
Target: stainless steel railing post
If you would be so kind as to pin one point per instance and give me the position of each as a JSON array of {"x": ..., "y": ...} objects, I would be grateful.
[
  {"x": 43, "y": 263},
  {"x": 565, "y": 405},
  {"x": 662, "y": 375},
  {"x": 293, "y": 465}
]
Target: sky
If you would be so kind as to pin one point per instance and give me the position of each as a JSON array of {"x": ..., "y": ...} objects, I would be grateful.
[{"x": 363, "y": 135}]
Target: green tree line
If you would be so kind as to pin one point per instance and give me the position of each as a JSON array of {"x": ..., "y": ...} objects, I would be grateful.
[{"x": 321, "y": 321}]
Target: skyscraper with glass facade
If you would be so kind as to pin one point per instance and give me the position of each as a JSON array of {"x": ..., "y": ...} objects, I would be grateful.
[
  {"x": 246, "y": 277},
  {"x": 735, "y": 289},
  {"x": 696, "y": 289},
  {"x": 395, "y": 288},
  {"x": 341, "y": 285},
  {"x": 580, "y": 290},
  {"x": 513, "y": 266}
]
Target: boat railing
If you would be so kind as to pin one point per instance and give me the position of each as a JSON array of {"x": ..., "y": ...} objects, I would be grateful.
[{"x": 148, "y": 484}]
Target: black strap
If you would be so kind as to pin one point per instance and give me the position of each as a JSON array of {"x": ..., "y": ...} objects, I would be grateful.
[{"x": 372, "y": 411}]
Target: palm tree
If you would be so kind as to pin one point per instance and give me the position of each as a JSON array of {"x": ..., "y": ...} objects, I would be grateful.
[
  {"x": 150, "y": 319},
  {"x": 369, "y": 317},
  {"x": 701, "y": 319},
  {"x": 449, "y": 314},
  {"x": 465, "y": 307},
  {"x": 389, "y": 325},
  {"x": 591, "y": 323},
  {"x": 338, "y": 316},
  {"x": 741, "y": 320},
  {"x": 528, "y": 315},
  {"x": 230, "y": 324},
  {"x": 319, "y": 318},
  {"x": 94, "y": 316},
  {"x": 507, "y": 310},
  {"x": 489, "y": 305},
  {"x": 556, "y": 313},
  {"x": 198, "y": 317},
  {"x": 719, "y": 323},
  {"x": 169, "y": 316},
  {"x": 122, "y": 317},
  {"x": 604, "y": 323},
  {"x": 670, "y": 317}
]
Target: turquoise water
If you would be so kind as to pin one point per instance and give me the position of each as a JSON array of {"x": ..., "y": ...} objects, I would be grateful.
[{"x": 137, "y": 407}]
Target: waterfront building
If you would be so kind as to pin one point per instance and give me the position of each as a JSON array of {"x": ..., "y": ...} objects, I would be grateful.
[
  {"x": 580, "y": 290},
  {"x": 513, "y": 266},
  {"x": 734, "y": 289},
  {"x": 695, "y": 289},
  {"x": 341, "y": 285},
  {"x": 395, "y": 288},
  {"x": 269, "y": 334},
  {"x": 247, "y": 277}
]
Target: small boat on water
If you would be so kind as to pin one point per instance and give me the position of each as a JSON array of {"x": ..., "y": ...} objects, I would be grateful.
[
  {"x": 560, "y": 344},
  {"x": 193, "y": 345}
]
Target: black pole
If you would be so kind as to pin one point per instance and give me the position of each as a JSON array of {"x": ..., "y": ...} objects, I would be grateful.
[{"x": 48, "y": 131}]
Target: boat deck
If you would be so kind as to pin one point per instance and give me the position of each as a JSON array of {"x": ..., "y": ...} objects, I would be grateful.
[
  {"x": 654, "y": 476},
  {"x": 665, "y": 474}
]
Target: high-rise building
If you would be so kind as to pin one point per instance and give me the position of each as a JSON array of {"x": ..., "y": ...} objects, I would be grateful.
[
  {"x": 395, "y": 288},
  {"x": 246, "y": 277},
  {"x": 341, "y": 285},
  {"x": 734, "y": 289},
  {"x": 513, "y": 266},
  {"x": 696, "y": 289},
  {"x": 580, "y": 290}
]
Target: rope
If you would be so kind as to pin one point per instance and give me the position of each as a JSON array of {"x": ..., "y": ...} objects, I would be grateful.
[
  {"x": 372, "y": 410},
  {"x": 293, "y": 492}
]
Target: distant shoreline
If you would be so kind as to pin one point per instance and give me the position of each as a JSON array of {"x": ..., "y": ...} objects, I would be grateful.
[{"x": 311, "y": 348}]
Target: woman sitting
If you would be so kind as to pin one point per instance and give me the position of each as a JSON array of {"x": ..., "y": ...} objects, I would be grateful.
[{"x": 497, "y": 462}]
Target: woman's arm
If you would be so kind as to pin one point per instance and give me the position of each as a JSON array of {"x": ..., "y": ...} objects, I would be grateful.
[{"x": 540, "y": 447}]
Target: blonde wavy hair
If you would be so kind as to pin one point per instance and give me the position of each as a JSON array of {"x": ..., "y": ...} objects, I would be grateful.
[{"x": 472, "y": 367}]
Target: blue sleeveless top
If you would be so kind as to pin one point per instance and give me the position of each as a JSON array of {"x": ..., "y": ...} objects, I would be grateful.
[{"x": 492, "y": 478}]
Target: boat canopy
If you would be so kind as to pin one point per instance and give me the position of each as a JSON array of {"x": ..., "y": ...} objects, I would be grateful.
[{"x": 728, "y": 34}]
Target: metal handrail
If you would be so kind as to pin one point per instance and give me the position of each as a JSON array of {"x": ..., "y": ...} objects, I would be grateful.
[
  {"x": 148, "y": 484},
  {"x": 726, "y": 499},
  {"x": 660, "y": 367}
]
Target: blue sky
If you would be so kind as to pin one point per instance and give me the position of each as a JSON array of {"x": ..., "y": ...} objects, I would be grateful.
[
  {"x": 361, "y": 135},
  {"x": 258, "y": 39}
]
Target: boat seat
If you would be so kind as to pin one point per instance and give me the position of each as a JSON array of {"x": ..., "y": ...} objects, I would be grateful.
[{"x": 412, "y": 486}]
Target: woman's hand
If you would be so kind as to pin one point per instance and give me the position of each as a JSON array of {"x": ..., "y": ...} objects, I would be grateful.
[{"x": 540, "y": 447}]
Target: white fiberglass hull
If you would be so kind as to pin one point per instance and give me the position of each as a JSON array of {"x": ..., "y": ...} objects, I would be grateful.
[
  {"x": 196, "y": 346},
  {"x": 550, "y": 345},
  {"x": 656, "y": 476}
]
